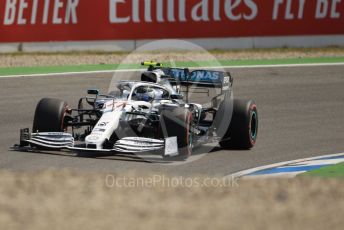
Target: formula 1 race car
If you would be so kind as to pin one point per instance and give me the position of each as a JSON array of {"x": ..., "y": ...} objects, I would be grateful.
[{"x": 151, "y": 115}]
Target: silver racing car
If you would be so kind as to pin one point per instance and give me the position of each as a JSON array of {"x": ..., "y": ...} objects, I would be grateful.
[{"x": 155, "y": 114}]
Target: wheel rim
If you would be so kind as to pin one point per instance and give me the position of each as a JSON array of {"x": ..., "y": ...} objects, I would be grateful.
[
  {"x": 63, "y": 125},
  {"x": 253, "y": 125},
  {"x": 189, "y": 135}
]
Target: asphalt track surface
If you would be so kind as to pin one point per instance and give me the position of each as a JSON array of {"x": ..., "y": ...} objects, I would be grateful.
[{"x": 301, "y": 112}]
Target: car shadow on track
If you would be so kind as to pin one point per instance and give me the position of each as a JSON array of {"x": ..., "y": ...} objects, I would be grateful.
[
  {"x": 128, "y": 157},
  {"x": 101, "y": 156}
]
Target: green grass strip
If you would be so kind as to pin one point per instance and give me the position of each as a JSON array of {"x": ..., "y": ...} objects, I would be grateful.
[
  {"x": 102, "y": 67},
  {"x": 328, "y": 171}
]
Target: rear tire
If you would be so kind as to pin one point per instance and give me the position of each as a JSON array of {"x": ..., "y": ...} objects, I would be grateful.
[
  {"x": 177, "y": 122},
  {"x": 243, "y": 129},
  {"x": 49, "y": 116}
]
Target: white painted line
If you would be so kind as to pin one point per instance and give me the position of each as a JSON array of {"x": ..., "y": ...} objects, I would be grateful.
[
  {"x": 317, "y": 162},
  {"x": 206, "y": 67},
  {"x": 70, "y": 73},
  {"x": 252, "y": 170},
  {"x": 275, "y": 66}
]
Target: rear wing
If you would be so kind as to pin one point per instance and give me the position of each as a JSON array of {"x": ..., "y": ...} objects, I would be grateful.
[{"x": 200, "y": 78}]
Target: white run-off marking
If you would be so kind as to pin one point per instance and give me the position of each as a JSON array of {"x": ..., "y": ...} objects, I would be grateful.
[
  {"x": 205, "y": 67},
  {"x": 289, "y": 169}
]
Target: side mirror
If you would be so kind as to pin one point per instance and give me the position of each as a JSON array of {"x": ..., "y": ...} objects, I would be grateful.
[
  {"x": 93, "y": 92},
  {"x": 176, "y": 96}
]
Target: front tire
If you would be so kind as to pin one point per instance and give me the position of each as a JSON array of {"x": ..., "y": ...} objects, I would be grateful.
[
  {"x": 49, "y": 116},
  {"x": 243, "y": 129}
]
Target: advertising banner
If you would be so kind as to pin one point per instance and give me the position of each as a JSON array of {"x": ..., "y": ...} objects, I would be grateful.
[{"x": 89, "y": 20}]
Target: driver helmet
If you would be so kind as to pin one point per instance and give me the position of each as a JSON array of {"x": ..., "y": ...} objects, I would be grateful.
[{"x": 147, "y": 96}]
